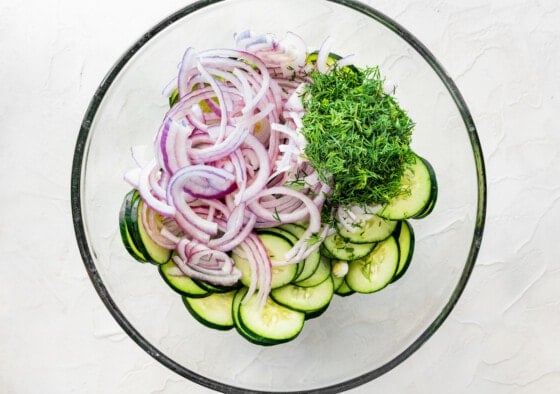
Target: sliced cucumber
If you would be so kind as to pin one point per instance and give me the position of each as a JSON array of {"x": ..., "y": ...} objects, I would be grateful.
[
  {"x": 322, "y": 272},
  {"x": 311, "y": 262},
  {"x": 209, "y": 287},
  {"x": 277, "y": 247},
  {"x": 419, "y": 179},
  {"x": 271, "y": 324},
  {"x": 323, "y": 251},
  {"x": 342, "y": 249},
  {"x": 214, "y": 310},
  {"x": 279, "y": 231},
  {"x": 425, "y": 212},
  {"x": 291, "y": 238},
  {"x": 337, "y": 281},
  {"x": 179, "y": 282},
  {"x": 376, "y": 270},
  {"x": 317, "y": 313},
  {"x": 434, "y": 193},
  {"x": 373, "y": 230},
  {"x": 149, "y": 249},
  {"x": 338, "y": 275},
  {"x": 309, "y": 266},
  {"x": 237, "y": 299},
  {"x": 131, "y": 221},
  {"x": 155, "y": 253},
  {"x": 405, "y": 239},
  {"x": 331, "y": 60},
  {"x": 126, "y": 237},
  {"x": 344, "y": 290},
  {"x": 294, "y": 229},
  {"x": 305, "y": 299}
]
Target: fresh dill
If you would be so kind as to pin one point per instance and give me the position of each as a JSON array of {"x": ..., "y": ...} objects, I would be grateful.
[
  {"x": 314, "y": 239},
  {"x": 276, "y": 215},
  {"x": 358, "y": 137}
]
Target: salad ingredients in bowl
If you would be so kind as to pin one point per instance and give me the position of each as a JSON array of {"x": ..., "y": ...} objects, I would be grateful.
[
  {"x": 278, "y": 178},
  {"x": 260, "y": 210}
]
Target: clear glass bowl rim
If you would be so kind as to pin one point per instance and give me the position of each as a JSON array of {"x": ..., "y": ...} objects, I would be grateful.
[{"x": 88, "y": 260}]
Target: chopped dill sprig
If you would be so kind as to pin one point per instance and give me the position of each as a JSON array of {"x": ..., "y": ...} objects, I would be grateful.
[
  {"x": 358, "y": 137},
  {"x": 276, "y": 215}
]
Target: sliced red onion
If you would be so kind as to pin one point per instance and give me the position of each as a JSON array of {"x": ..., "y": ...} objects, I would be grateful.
[
  {"x": 162, "y": 207},
  {"x": 186, "y": 72},
  {"x": 200, "y": 262},
  {"x": 167, "y": 91},
  {"x": 132, "y": 177},
  {"x": 347, "y": 61},
  {"x": 258, "y": 256},
  {"x": 154, "y": 224},
  {"x": 185, "y": 215},
  {"x": 259, "y": 182},
  {"x": 296, "y": 47},
  {"x": 203, "y": 181},
  {"x": 229, "y": 244},
  {"x": 221, "y": 100},
  {"x": 220, "y": 280},
  {"x": 313, "y": 214},
  {"x": 350, "y": 216},
  {"x": 158, "y": 181},
  {"x": 323, "y": 55},
  {"x": 235, "y": 137},
  {"x": 224, "y": 155}
]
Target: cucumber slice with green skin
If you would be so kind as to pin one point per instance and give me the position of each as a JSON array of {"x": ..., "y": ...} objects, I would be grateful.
[
  {"x": 405, "y": 240},
  {"x": 311, "y": 262},
  {"x": 131, "y": 223},
  {"x": 179, "y": 282},
  {"x": 294, "y": 229},
  {"x": 148, "y": 248},
  {"x": 331, "y": 60},
  {"x": 237, "y": 299},
  {"x": 305, "y": 299},
  {"x": 154, "y": 252},
  {"x": 419, "y": 178},
  {"x": 126, "y": 237},
  {"x": 277, "y": 247},
  {"x": 272, "y": 324},
  {"x": 373, "y": 230},
  {"x": 322, "y": 272},
  {"x": 376, "y": 270},
  {"x": 426, "y": 211},
  {"x": 213, "y": 311},
  {"x": 209, "y": 287},
  {"x": 291, "y": 238},
  {"x": 434, "y": 193},
  {"x": 317, "y": 313},
  {"x": 338, "y": 276},
  {"x": 344, "y": 290},
  {"x": 323, "y": 251},
  {"x": 253, "y": 338},
  {"x": 342, "y": 249},
  {"x": 337, "y": 281}
]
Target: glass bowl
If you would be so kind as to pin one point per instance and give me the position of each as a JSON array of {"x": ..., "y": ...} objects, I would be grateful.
[{"x": 360, "y": 337}]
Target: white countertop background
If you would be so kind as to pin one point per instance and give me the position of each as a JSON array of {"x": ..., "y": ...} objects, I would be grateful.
[{"x": 56, "y": 336}]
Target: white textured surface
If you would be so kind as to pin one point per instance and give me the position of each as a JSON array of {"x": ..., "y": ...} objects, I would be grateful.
[{"x": 57, "y": 337}]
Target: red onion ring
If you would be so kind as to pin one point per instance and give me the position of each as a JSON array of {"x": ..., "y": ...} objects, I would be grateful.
[{"x": 224, "y": 156}]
